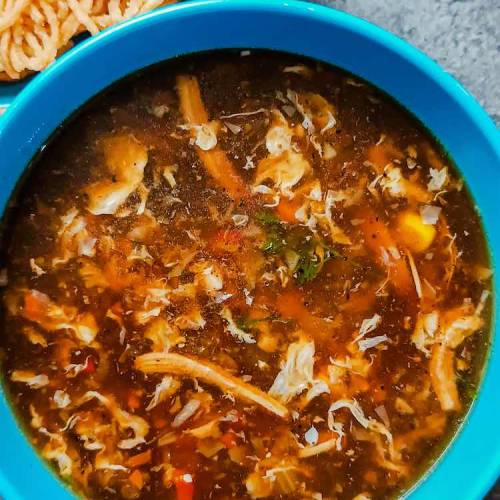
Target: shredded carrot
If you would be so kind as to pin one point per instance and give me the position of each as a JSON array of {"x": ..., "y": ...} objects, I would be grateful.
[
  {"x": 417, "y": 193},
  {"x": 220, "y": 167},
  {"x": 139, "y": 459},
  {"x": 258, "y": 313},
  {"x": 216, "y": 162},
  {"x": 379, "y": 240},
  {"x": 290, "y": 305},
  {"x": 286, "y": 210},
  {"x": 90, "y": 368},
  {"x": 117, "y": 308},
  {"x": 343, "y": 441},
  {"x": 137, "y": 479},
  {"x": 192, "y": 106},
  {"x": 64, "y": 347},
  {"x": 185, "y": 491}
]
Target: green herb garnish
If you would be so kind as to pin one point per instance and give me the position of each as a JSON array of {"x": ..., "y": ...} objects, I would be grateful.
[
  {"x": 267, "y": 218},
  {"x": 274, "y": 241},
  {"x": 273, "y": 244},
  {"x": 246, "y": 324},
  {"x": 307, "y": 269},
  {"x": 311, "y": 260},
  {"x": 310, "y": 252}
]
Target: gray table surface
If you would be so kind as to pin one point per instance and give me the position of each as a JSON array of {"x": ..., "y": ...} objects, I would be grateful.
[{"x": 461, "y": 35}]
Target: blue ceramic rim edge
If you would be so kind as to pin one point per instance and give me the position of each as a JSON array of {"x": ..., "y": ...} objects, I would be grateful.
[{"x": 415, "y": 57}]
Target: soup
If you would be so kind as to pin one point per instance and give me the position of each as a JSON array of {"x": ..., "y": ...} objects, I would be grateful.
[{"x": 243, "y": 276}]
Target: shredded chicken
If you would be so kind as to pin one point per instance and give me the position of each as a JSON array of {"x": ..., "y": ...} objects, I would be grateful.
[
  {"x": 323, "y": 447},
  {"x": 74, "y": 238},
  {"x": 56, "y": 449},
  {"x": 39, "y": 308},
  {"x": 233, "y": 329},
  {"x": 443, "y": 377},
  {"x": 163, "y": 335},
  {"x": 297, "y": 372},
  {"x": 415, "y": 275},
  {"x": 209, "y": 430},
  {"x": 426, "y": 328},
  {"x": 188, "y": 410},
  {"x": 444, "y": 332},
  {"x": 125, "y": 420},
  {"x": 176, "y": 364},
  {"x": 166, "y": 388},
  {"x": 125, "y": 159},
  {"x": 285, "y": 171},
  {"x": 30, "y": 378},
  {"x": 284, "y": 167},
  {"x": 368, "y": 423}
]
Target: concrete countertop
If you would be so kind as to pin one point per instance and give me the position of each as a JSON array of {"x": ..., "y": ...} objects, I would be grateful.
[{"x": 463, "y": 36}]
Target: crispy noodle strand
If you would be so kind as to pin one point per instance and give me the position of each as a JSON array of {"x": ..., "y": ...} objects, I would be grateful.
[{"x": 34, "y": 32}]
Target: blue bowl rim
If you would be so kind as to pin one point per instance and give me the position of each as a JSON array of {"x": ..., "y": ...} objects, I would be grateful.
[{"x": 434, "y": 72}]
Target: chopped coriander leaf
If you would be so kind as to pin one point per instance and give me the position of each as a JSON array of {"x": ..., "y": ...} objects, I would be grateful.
[
  {"x": 273, "y": 244},
  {"x": 246, "y": 324},
  {"x": 307, "y": 269},
  {"x": 267, "y": 218},
  {"x": 312, "y": 257}
]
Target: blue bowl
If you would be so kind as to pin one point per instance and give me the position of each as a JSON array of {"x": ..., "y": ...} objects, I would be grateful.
[{"x": 471, "y": 463}]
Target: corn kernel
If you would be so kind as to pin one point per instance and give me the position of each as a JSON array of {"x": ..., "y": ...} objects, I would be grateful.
[{"x": 413, "y": 233}]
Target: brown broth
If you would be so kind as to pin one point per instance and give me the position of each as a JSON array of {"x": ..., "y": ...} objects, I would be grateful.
[{"x": 86, "y": 291}]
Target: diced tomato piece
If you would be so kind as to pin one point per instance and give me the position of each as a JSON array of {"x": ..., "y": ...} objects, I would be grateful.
[
  {"x": 185, "y": 490},
  {"x": 90, "y": 368},
  {"x": 184, "y": 485}
]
